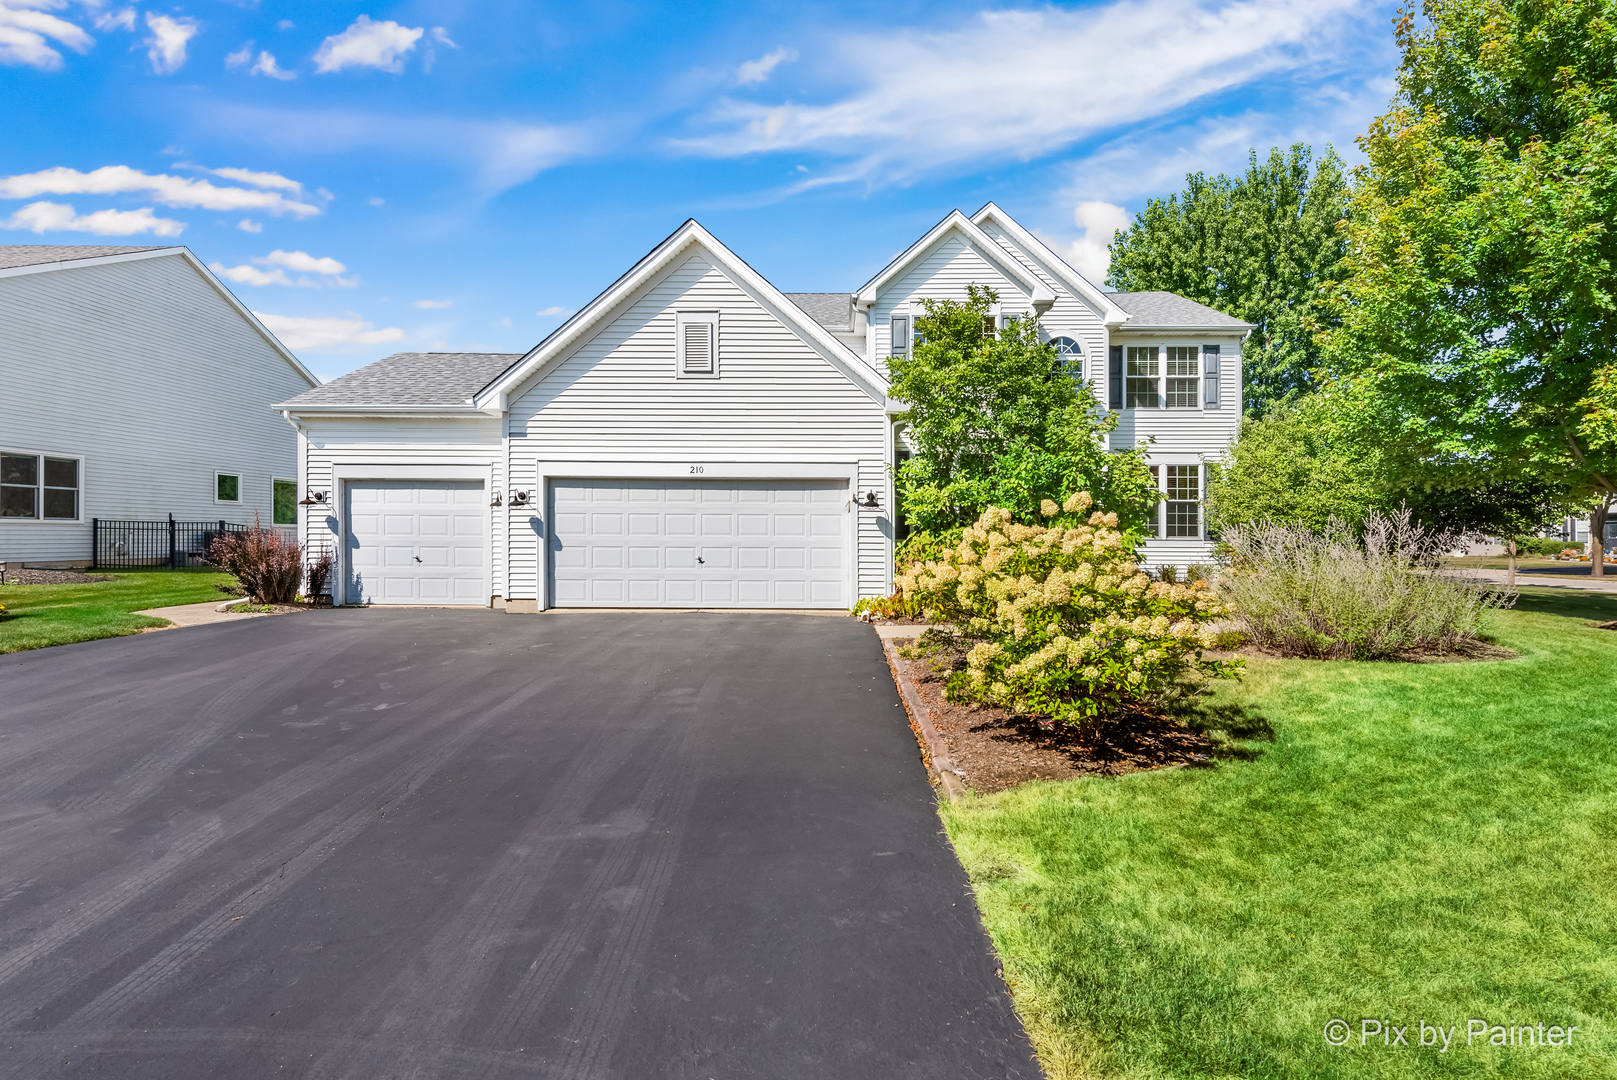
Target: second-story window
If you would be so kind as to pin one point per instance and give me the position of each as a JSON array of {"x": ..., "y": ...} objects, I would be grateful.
[
  {"x": 1142, "y": 376},
  {"x": 1069, "y": 359},
  {"x": 1183, "y": 376}
]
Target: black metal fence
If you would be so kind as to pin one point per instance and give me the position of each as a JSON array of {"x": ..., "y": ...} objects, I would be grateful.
[{"x": 178, "y": 545}]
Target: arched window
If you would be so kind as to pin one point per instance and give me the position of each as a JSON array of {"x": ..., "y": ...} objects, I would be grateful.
[{"x": 1069, "y": 358}]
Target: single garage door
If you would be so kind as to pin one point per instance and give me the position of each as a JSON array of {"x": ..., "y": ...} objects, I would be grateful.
[
  {"x": 704, "y": 543},
  {"x": 417, "y": 542}
]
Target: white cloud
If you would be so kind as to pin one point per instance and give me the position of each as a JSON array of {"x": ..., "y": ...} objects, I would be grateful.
[
  {"x": 303, "y": 263},
  {"x": 279, "y": 262},
  {"x": 248, "y": 225},
  {"x": 116, "y": 20},
  {"x": 759, "y": 70},
  {"x": 258, "y": 179},
  {"x": 1018, "y": 84},
  {"x": 441, "y": 36},
  {"x": 266, "y": 66},
  {"x": 553, "y": 311},
  {"x": 327, "y": 334},
  {"x": 286, "y": 24},
  {"x": 382, "y": 45},
  {"x": 1088, "y": 254},
  {"x": 43, "y": 217},
  {"x": 432, "y": 305},
  {"x": 26, "y": 30},
  {"x": 376, "y": 200},
  {"x": 166, "y": 46},
  {"x": 168, "y": 190},
  {"x": 252, "y": 275},
  {"x": 240, "y": 56}
]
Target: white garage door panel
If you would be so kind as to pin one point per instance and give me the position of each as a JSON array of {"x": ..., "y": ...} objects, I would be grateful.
[
  {"x": 708, "y": 543},
  {"x": 416, "y": 542}
]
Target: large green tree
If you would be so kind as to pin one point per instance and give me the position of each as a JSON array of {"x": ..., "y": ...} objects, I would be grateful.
[
  {"x": 996, "y": 421},
  {"x": 1265, "y": 246},
  {"x": 1479, "y": 307}
]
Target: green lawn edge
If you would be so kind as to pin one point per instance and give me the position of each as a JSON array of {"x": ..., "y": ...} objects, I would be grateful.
[
  {"x": 1417, "y": 842},
  {"x": 40, "y": 616}
]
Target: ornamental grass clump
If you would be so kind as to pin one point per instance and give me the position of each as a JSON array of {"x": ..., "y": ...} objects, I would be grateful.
[
  {"x": 1339, "y": 594},
  {"x": 1058, "y": 620}
]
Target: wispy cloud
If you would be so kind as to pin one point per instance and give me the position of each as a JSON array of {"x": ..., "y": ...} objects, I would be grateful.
[
  {"x": 166, "y": 47},
  {"x": 175, "y": 191},
  {"x": 248, "y": 225},
  {"x": 1019, "y": 84},
  {"x": 501, "y": 154},
  {"x": 433, "y": 305},
  {"x": 759, "y": 70},
  {"x": 327, "y": 334},
  {"x": 27, "y": 30},
  {"x": 553, "y": 311},
  {"x": 367, "y": 44},
  {"x": 42, "y": 217},
  {"x": 123, "y": 19},
  {"x": 265, "y": 65},
  {"x": 258, "y": 179}
]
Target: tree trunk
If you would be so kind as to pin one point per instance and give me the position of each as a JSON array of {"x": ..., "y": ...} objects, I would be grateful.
[
  {"x": 1597, "y": 537},
  {"x": 1510, "y": 550}
]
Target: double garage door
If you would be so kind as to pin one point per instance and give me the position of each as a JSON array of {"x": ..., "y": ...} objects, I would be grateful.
[
  {"x": 614, "y": 543},
  {"x": 700, "y": 543}
]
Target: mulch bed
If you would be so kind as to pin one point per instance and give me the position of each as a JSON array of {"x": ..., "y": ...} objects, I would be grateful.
[
  {"x": 994, "y": 750},
  {"x": 51, "y": 577}
]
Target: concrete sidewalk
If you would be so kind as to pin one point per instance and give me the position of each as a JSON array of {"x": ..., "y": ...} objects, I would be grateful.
[
  {"x": 1552, "y": 581},
  {"x": 201, "y": 614}
]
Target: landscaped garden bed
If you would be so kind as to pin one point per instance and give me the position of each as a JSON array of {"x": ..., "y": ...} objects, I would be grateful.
[
  {"x": 993, "y": 749},
  {"x": 1408, "y": 842}
]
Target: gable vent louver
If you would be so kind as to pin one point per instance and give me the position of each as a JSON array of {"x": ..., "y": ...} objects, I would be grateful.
[{"x": 698, "y": 351}]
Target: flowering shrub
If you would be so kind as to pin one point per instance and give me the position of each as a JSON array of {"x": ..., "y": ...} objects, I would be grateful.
[
  {"x": 1059, "y": 619},
  {"x": 268, "y": 565}
]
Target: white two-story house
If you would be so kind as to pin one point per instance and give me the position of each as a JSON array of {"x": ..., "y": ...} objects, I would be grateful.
[{"x": 694, "y": 437}]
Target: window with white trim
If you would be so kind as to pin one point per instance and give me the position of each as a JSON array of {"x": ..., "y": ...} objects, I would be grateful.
[
  {"x": 1183, "y": 376},
  {"x": 227, "y": 487},
  {"x": 1184, "y": 501},
  {"x": 39, "y": 486},
  {"x": 698, "y": 345},
  {"x": 283, "y": 502}
]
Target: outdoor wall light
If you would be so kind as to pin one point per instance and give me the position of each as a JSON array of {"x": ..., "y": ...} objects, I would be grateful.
[
  {"x": 870, "y": 502},
  {"x": 314, "y": 498},
  {"x": 519, "y": 498},
  {"x": 496, "y": 501}
]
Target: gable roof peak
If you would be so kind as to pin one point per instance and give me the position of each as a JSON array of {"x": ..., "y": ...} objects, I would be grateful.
[{"x": 955, "y": 221}]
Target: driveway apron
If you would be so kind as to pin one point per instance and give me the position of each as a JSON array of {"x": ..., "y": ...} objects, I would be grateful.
[{"x": 436, "y": 843}]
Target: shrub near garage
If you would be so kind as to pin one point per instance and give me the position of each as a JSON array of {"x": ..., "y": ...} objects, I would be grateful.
[{"x": 1059, "y": 619}]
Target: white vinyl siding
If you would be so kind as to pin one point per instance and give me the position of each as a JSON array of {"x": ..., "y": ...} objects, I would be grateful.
[
  {"x": 614, "y": 398},
  {"x": 145, "y": 373},
  {"x": 941, "y": 273}
]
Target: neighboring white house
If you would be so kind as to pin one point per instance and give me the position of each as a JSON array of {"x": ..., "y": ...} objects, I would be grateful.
[
  {"x": 695, "y": 438},
  {"x": 133, "y": 385}
]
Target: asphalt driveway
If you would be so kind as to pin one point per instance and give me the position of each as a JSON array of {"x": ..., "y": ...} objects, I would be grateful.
[{"x": 461, "y": 844}]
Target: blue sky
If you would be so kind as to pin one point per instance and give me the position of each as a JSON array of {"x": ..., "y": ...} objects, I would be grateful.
[{"x": 452, "y": 175}]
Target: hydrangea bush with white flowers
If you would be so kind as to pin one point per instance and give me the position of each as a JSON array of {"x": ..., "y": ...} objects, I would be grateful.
[{"x": 1058, "y": 619}]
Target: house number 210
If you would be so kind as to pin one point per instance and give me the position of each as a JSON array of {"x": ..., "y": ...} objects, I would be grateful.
[{"x": 697, "y": 470}]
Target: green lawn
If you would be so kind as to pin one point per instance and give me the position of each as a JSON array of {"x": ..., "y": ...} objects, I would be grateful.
[
  {"x": 1417, "y": 843},
  {"x": 41, "y": 615}
]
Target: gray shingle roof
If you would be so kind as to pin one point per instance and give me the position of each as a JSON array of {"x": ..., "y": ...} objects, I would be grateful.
[
  {"x": 432, "y": 378},
  {"x": 832, "y": 310},
  {"x": 1170, "y": 309},
  {"x": 14, "y": 255}
]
